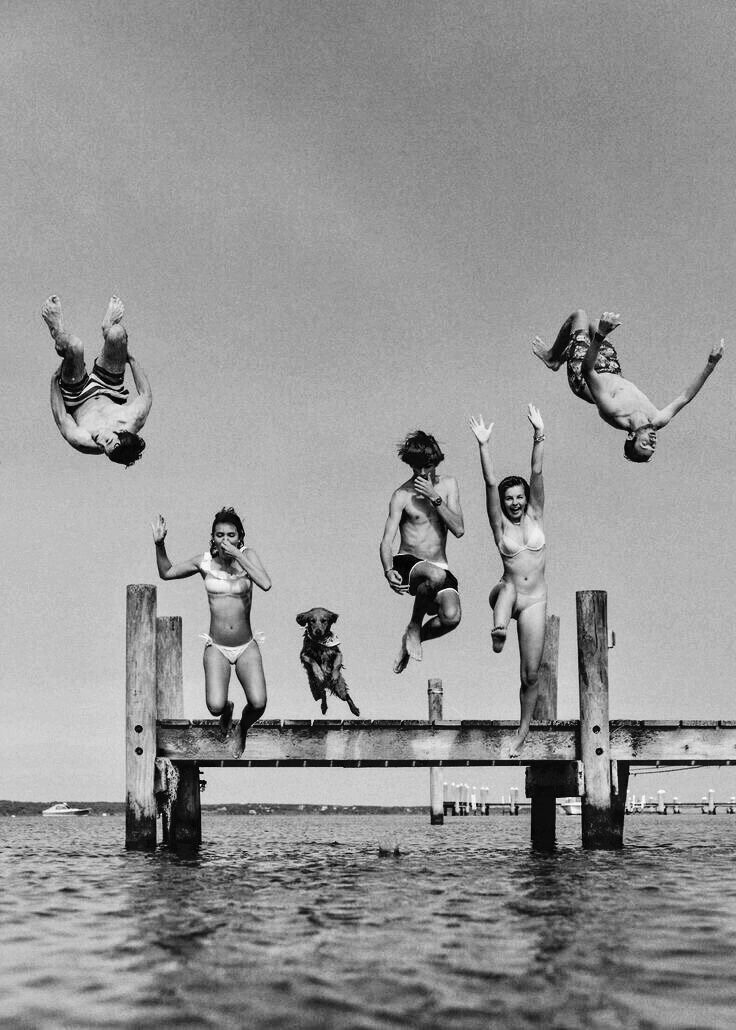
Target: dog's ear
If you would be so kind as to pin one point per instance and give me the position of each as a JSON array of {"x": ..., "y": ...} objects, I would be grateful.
[
  {"x": 333, "y": 617},
  {"x": 303, "y": 617}
]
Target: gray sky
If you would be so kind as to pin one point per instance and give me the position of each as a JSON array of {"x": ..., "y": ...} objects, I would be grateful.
[{"x": 333, "y": 223}]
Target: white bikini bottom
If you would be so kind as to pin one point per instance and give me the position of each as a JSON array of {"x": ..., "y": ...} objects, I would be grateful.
[{"x": 231, "y": 653}]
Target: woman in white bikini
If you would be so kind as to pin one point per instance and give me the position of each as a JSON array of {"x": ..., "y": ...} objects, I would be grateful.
[
  {"x": 229, "y": 570},
  {"x": 515, "y": 509}
]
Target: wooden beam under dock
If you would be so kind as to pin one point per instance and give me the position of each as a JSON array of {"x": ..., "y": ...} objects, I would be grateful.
[{"x": 387, "y": 743}]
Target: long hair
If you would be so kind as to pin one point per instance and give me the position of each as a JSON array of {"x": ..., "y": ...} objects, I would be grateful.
[
  {"x": 419, "y": 449},
  {"x": 230, "y": 516},
  {"x": 508, "y": 482}
]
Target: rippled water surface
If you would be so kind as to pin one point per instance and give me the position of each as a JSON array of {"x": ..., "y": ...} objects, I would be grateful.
[{"x": 296, "y": 921}]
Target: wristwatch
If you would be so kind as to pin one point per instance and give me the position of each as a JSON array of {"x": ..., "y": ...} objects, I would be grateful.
[{"x": 436, "y": 501}]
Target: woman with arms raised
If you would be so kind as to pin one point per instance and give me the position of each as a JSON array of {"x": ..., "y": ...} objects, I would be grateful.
[
  {"x": 229, "y": 570},
  {"x": 515, "y": 509}
]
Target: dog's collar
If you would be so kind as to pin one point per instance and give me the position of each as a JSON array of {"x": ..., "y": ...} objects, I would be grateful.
[{"x": 330, "y": 641}]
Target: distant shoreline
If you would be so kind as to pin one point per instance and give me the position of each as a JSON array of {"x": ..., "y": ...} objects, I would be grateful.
[{"x": 98, "y": 808}]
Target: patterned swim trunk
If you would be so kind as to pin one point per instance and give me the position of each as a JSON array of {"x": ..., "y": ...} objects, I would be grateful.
[
  {"x": 98, "y": 383},
  {"x": 607, "y": 361}
]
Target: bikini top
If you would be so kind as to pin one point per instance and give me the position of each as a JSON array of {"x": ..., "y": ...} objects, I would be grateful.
[
  {"x": 219, "y": 583},
  {"x": 535, "y": 542}
]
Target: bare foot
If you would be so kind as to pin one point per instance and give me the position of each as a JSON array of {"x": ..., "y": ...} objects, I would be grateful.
[
  {"x": 413, "y": 642},
  {"x": 402, "y": 659},
  {"x": 516, "y": 744},
  {"x": 114, "y": 313},
  {"x": 239, "y": 742},
  {"x": 543, "y": 354},
  {"x": 226, "y": 719},
  {"x": 498, "y": 636},
  {"x": 52, "y": 316}
]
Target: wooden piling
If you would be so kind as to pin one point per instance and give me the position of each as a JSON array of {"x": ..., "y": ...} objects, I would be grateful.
[
  {"x": 544, "y": 797},
  {"x": 599, "y": 827},
  {"x": 185, "y": 829},
  {"x": 140, "y": 717},
  {"x": 436, "y": 806},
  {"x": 169, "y": 681}
]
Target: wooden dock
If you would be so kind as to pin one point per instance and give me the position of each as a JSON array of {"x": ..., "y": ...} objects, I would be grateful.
[{"x": 587, "y": 757}]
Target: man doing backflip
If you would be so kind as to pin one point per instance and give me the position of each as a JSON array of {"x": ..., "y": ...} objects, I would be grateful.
[
  {"x": 594, "y": 374},
  {"x": 422, "y": 510},
  {"x": 92, "y": 410}
]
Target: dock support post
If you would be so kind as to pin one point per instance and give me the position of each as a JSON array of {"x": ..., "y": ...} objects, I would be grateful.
[
  {"x": 140, "y": 717},
  {"x": 436, "y": 806},
  {"x": 169, "y": 681},
  {"x": 544, "y": 798},
  {"x": 600, "y": 827},
  {"x": 185, "y": 829}
]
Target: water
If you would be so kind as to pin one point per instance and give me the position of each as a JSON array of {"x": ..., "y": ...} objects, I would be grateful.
[{"x": 296, "y": 921}]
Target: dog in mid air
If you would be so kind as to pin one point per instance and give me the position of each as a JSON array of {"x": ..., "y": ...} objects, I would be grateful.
[{"x": 322, "y": 658}]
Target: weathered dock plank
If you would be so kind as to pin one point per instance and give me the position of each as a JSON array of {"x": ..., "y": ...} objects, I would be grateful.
[{"x": 363, "y": 742}]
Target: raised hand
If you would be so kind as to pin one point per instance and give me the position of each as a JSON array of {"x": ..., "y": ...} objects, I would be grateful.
[
  {"x": 608, "y": 322},
  {"x": 716, "y": 354},
  {"x": 535, "y": 418},
  {"x": 481, "y": 430},
  {"x": 159, "y": 529}
]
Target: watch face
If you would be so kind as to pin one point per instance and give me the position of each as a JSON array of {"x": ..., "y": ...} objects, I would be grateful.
[{"x": 437, "y": 502}]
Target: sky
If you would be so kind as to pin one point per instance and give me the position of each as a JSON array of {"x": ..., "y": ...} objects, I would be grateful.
[{"x": 333, "y": 223}]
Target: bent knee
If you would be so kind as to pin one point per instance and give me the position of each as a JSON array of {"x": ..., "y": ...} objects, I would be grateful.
[
  {"x": 116, "y": 335},
  {"x": 450, "y": 615},
  {"x": 216, "y": 709}
]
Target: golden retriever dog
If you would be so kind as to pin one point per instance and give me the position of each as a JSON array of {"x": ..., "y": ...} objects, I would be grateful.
[{"x": 322, "y": 658}]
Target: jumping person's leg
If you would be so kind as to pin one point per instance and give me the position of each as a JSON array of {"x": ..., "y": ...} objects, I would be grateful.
[
  {"x": 216, "y": 680},
  {"x": 555, "y": 356},
  {"x": 425, "y": 580},
  {"x": 531, "y": 625},
  {"x": 502, "y": 599},
  {"x": 448, "y": 615},
  {"x": 68, "y": 346},
  {"x": 249, "y": 670},
  {"x": 114, "y": 354}
]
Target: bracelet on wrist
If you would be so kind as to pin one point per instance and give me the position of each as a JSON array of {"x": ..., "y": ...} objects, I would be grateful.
[{"x": 538, "y": 438}]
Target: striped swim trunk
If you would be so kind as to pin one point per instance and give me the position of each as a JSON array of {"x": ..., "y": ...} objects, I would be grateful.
[
  {"x": 607, "y": 361},
  {"x": 98, "y": 383}
]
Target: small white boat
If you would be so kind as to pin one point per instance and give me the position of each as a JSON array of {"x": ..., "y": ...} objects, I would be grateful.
[
  {"x": 63, "y": 809},
  {"x": 570, "y": 806}
]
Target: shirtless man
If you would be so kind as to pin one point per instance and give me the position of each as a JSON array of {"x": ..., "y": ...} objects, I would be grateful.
[
  {"x": 594, "y": 374},
  {"x": 421, "y": 511},
  {"x": 92, "y": 410}
]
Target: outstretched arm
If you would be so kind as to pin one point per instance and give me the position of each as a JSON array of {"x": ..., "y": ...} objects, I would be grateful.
[
  {"x": 667, "y": 414},
  {"x": 165, "y": 569},
  {"x": 80, "y": 439},
  {"x": 493, "y": 504},
  {"x": 395, "y": 509},
  {"x": 536, "y": 481},
  {"x": 142, "y": 404}
]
